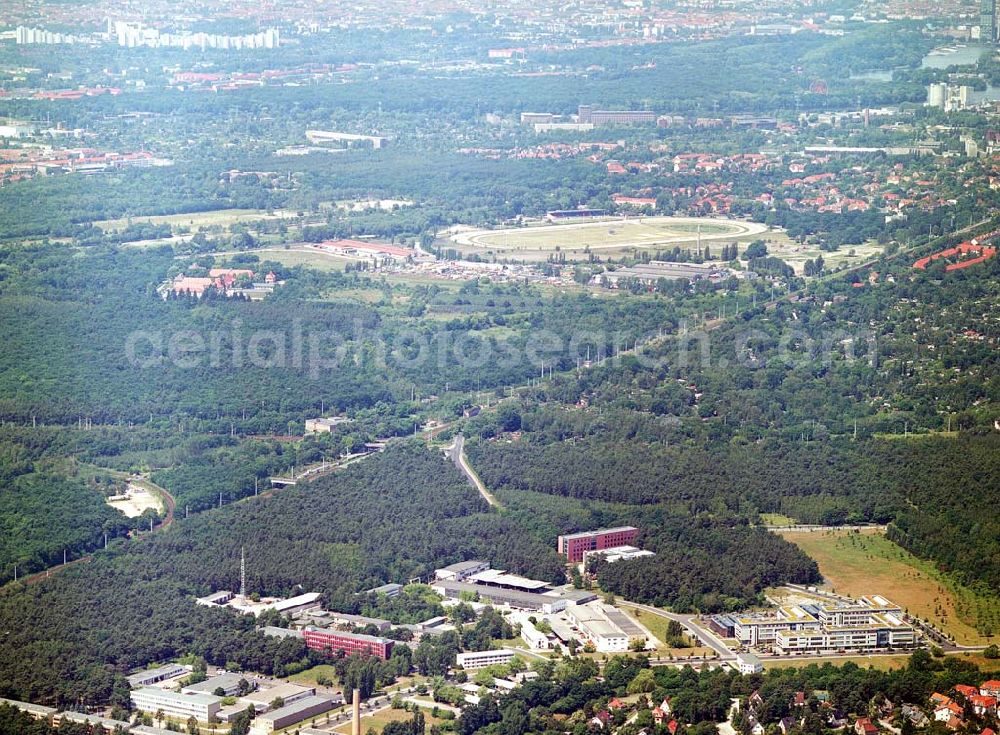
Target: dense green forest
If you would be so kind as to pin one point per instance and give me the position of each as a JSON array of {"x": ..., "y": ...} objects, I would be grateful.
[
  {"x": 797, "y": 424},
  {"x": 704, "y": 565},
  {"x": 90, "y": 337},
  {"x": 72, "y": 637},
  {"x": 685, "y": 409},
  {"x": 49, "y": 505}
]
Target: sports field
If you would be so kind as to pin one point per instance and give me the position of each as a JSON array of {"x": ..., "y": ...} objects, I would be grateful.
[
  {"x": 536, "y": 242},
  {"x": 865, "y": 563}
]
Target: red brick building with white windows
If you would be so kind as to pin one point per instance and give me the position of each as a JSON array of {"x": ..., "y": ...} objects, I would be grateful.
[
  {"x": 574, "y": 545},
  {"x": 332, "y": 641}
]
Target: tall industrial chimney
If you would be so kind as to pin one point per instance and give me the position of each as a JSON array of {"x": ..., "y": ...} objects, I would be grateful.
[{"x": 356, "y": 722}]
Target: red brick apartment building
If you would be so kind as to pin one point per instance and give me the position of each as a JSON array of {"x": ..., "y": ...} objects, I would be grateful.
[
  {"x": 333, "y": 641},
  {"x": 575, "y": 544}
]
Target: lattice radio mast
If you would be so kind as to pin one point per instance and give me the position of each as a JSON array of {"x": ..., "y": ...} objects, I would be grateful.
[{"x": 243, "y": 573}]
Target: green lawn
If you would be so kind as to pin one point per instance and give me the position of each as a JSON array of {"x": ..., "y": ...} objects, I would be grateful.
[
  {"x": 308, "y": 677},
  {"x": 383, "y": 717},
  {"x": 657, "y": 625},
  {"x": 776, "y": 519}
]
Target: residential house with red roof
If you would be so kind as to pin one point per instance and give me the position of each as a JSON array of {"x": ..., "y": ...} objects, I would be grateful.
[
  {"x": 990, "y": 688},
  {"x": 983, "y": 704}
]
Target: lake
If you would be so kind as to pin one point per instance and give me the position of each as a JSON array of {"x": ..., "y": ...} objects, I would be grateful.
[{"x": 959, "y": 54}]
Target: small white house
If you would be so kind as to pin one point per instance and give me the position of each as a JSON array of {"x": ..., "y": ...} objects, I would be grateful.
[{"x": 747, "y": 663}]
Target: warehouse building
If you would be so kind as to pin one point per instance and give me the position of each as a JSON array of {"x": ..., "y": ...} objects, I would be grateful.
[
  {"x": 81, "y": 718},
  {"x": 515, "y": 599},
  {"x": 275, "y": 632},
  {"x": 587, "y": 114},
  {"x": 606, "y": 628},
  {"x": 286, "y": 692},
  {"x": 724, "y": 625},
  {"x": 228, "y": 683},
  {"x": 392, "y": 589},
  {"x": 459, "y": 571},
  {"x": 500, "y": 578},
  {"x": 360, "y": 621},
  {"x": 571, "y": 594},
  {"x": 291, "y": 714},
  {"x": 175, "y": 704},
  {"x": 154, "y": 676},
  {"x": 619, "y": 553}
]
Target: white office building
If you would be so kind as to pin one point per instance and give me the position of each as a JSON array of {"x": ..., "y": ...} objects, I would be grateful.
[
  {"x": 531, "y": 635},
  {"x": 176, "y": 704},
  {"x": 747, "y": 663},
  {"x": 481, "y": 659}
]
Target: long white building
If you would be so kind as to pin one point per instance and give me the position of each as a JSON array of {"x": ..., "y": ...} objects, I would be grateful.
[
  {"x": 481, "y": 659},
  {"x": 175, "y": 704}
]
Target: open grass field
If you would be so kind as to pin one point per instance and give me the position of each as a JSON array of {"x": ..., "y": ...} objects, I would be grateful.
[
  {"x": 309, "y": 258},
  {"x": 380, "y": 719},
  {"x": 609, "y": 236},
  {"x": 796, "y": 255},
  {"x": 862, "y": 563},
  {"x": 657, "y": 625},
  {"x": 194, "y": 220},
  {"x": 776, "y": 519},
  {"x": 881, "y": 663},
  {"x": 309, "y": 676}
]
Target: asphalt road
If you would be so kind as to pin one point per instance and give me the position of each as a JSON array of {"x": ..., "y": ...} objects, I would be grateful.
[
  {"x": 456, "y": 453},
  {"x": 705, "y": 636}
]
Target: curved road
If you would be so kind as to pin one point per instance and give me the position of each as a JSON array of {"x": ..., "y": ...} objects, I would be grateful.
[{"x": 456, "y": 453}]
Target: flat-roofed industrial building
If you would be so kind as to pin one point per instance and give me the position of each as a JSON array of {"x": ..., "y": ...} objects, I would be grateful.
[
  {"x": 291, "y": 714},
  {"x": 228, "y": 683},
  {"x": 82, "y": 718},
  {"x": 516, "y": 599},
  {"x": 460, "y": 570},
  {"x": 609, "y": 630},
  {"x": 36, "y": 711},
  {"x": 286, "y": 692},
  {"x": 154, "y": 676}
]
